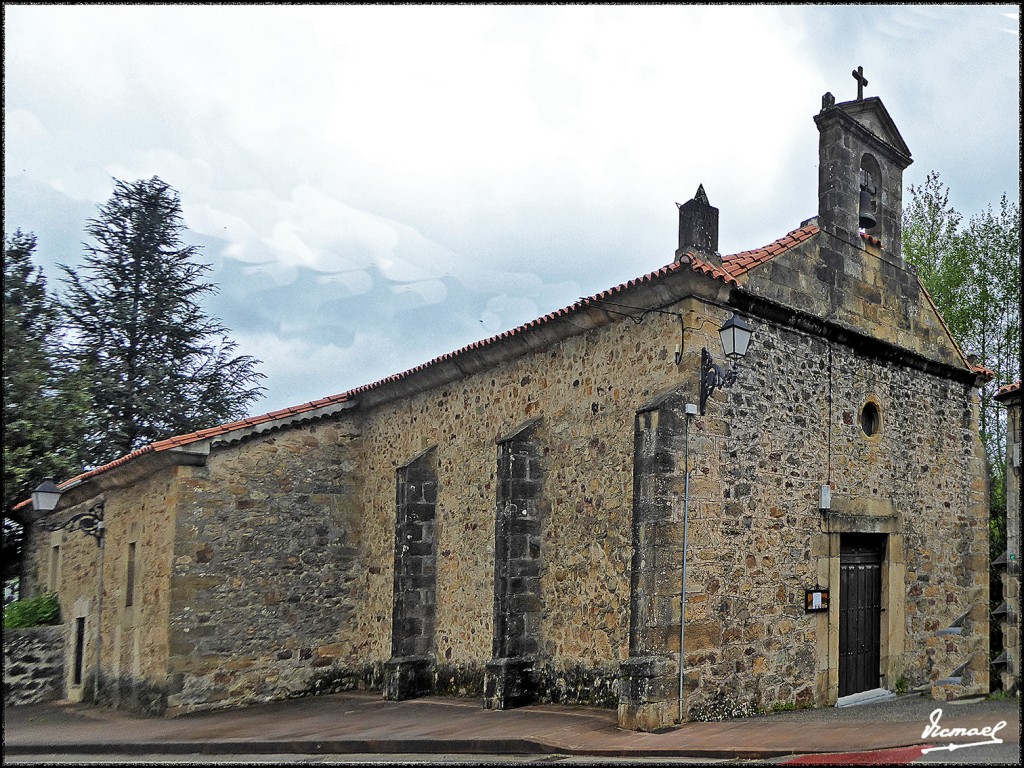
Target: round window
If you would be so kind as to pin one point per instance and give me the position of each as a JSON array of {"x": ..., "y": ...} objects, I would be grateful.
[{"x": 870, "y": 419}]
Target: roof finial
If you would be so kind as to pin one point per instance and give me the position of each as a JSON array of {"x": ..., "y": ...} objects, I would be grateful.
[{"x": 858, "y": 75}]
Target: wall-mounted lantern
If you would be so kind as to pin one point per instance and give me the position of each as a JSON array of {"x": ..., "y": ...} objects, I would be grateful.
[
  {"x": 735, "y": 335},
  {"x": 46, "y": 496}
]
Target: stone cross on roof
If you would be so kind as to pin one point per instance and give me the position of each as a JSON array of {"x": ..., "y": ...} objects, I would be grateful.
[{"x": 858, "y": 75}]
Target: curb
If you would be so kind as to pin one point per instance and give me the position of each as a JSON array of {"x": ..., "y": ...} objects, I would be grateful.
[
  {"x": 410, "y": 746},
  {"x": 286, "y": 746}
]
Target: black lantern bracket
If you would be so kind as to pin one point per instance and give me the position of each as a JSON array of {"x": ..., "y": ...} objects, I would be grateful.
[
  {"x": 89, "y": 522},
  {"x": 712, "y": 377}
]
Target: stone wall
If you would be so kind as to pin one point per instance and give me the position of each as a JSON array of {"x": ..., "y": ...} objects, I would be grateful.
[
  {"x": 136, "y": 636},
  {"x": 132, "y": 638},
  {"x": 1010, "y": 570},
  {"x": 33, "y": 665},
  {"x": 861, "y": 286},
  {"x": 790, "y": 424},
  {"x": 757, "y": 538},
  {"x": 268, "y": 575},
  {"x": 283, "y": 570},
  {"x": 587, "y": 388}
]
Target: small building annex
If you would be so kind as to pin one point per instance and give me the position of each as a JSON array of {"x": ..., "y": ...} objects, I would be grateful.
[
  {"x": 508, "y": 521},
  {"x": 1008, "y": 564}
]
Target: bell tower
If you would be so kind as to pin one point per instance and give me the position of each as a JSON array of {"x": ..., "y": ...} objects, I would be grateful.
[{"x": 861, "y": 158}]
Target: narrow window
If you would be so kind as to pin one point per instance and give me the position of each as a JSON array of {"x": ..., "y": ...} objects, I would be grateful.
[
  {"x": 129, "y": 590},
  {"x": 54, "y": 568},
  {"x": 870, "y": 419},
  {"x": 79, "y": 648}
]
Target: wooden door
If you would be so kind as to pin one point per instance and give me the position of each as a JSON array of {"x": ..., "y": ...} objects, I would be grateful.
[{"x": 860, "y": 612}]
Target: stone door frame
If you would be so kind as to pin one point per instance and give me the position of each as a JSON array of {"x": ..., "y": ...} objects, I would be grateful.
[{"x": 865, "y": 516}]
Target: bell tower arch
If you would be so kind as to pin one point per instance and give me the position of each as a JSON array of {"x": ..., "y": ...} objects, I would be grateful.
[{"x": 861, "y": 159}]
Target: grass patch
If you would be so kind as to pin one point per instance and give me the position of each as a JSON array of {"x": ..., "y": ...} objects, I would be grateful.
[{"x": 999, "y": 695}]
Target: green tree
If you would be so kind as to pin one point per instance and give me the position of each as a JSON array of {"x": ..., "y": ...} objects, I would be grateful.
[
  {"x": 155, "y": 363},
  {"x": 973, "y": 273},
  {"x": 991, "y": 244},
  {"x": 932, "y": 243},
  {"x": 43, "y": 399}
]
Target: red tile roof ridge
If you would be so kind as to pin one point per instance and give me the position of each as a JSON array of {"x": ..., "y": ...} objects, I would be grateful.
[
  {"x": 708, "y": 268},
  {"x": 981, "y": 370},
  {"x": 551, "y": 316},
  {"x": 696, "y": 264},
  {"x": 150, "y": 448},
  {"x": 1008, "y": 389},
  {"x": 177, "y": 441},
  {"x": 737, "y": 264}
]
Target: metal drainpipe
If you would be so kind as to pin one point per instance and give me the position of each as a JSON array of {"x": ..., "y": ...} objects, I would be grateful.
[
  {"x": 99, "y": 615},
  {"x": 686, "y": 522}
]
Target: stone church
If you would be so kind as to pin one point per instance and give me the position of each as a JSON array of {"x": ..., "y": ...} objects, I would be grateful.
[{"x": 603, "y": 507}]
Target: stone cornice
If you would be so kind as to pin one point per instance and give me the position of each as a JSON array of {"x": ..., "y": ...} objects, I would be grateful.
[{"x": 859, "y": 342}]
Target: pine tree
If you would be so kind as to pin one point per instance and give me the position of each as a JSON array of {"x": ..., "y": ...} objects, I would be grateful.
[
  {"x": 43, "y": 401},
  {"x": 155, "y": 363}
]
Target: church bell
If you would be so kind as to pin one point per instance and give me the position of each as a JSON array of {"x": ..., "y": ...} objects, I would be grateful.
[{"x": 867, "y": 209}]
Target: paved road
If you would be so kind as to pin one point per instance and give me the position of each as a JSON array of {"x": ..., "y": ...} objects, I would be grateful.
[
  {"x": 335, "y": 729},
  {"x": 365, "y": 759},
  {"x": 1001, "y": 754}
]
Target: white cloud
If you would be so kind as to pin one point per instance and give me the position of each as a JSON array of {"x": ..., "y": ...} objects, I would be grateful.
[
  {"x": 426, "y": 291},
  {"x": 489, "y": 163},
  {"x": 297, "y": 370}
]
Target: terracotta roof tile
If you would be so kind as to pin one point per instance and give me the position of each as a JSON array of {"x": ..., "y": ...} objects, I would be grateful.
[
  {"x": 1008, "y": 390},
  {"x": 984, "y": 372},
  {"x": 740, "y": 263},
  {"x": 194, "y": 437},
  {"x": 696, "y": 265},
  {"x": 871, "y": 239},
  {"x": 732, "y": 267},
  {"x": 707, "y": 268}
]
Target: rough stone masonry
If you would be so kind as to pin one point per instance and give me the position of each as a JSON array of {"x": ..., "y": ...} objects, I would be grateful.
[{"x": 506, "y": 522}]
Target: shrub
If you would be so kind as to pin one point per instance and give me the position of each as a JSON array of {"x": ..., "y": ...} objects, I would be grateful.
[{"x": 34, "y": 612}]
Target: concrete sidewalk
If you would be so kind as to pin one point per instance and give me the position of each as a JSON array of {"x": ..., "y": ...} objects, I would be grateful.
[{"x": 362, "y": 722}]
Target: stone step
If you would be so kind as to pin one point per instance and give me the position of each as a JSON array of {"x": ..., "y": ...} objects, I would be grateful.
[{"x": 865, "y": 697}]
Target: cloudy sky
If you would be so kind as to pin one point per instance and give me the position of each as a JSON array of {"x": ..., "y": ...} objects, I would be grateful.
[{"x": 375, "y": 186}]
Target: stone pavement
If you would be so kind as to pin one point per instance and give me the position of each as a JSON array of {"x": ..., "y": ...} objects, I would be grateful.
[{"x": 362, "y": 722}]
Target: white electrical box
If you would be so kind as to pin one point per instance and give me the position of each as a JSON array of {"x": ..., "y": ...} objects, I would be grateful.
[{"x": 825, "y": 497}]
